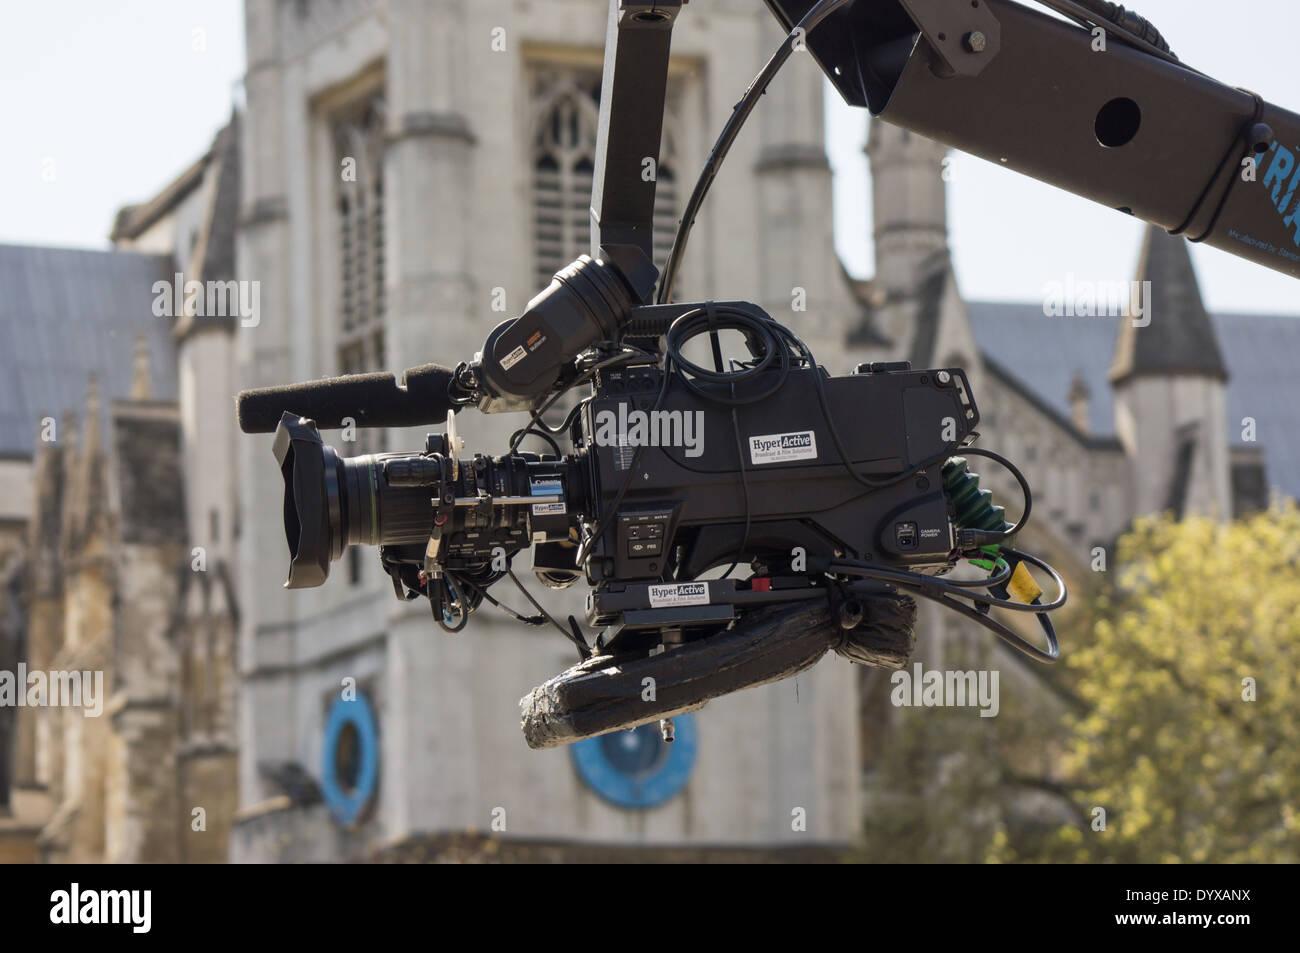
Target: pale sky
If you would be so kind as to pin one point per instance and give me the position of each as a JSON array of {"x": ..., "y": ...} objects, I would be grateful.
[{"x": 119, "y": 96}]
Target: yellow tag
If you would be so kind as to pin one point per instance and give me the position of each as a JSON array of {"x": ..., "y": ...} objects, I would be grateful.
[{"x": 1022, "y": 585}]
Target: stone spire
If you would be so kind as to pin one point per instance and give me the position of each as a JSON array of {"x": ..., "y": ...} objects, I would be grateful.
[
  {"x": 83, "y": 499},
  {"x": 909, "y": 202},
  {"x": 90, "y": 440},
  {"x": 141, "y": 370},
  {"x": 1174, "y": 335},
  {"x": 1080, "y": 404}
]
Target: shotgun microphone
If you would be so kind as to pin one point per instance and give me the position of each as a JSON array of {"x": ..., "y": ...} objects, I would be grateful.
[{"x": 369, "y": 400}]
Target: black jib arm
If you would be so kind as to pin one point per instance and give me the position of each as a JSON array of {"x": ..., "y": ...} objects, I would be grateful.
[{"x": 1082, "y": 109}]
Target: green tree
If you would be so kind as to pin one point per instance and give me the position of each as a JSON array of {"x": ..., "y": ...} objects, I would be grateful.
[
  {"x": 1190, "y": 735},
  {"x": 952, "y": 787}
]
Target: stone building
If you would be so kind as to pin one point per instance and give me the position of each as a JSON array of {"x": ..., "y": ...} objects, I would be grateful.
[
  {"x": 101, "y": 574},
  {"x": 404, "y": 175}
]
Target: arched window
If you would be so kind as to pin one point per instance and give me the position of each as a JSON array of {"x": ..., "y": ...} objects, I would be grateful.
[
  {"x": 359, "y": 141},
  {"x": 566, "y": 112}
]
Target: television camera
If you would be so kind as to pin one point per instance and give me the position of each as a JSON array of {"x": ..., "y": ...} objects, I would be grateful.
[{"x": 735, "y": 517}]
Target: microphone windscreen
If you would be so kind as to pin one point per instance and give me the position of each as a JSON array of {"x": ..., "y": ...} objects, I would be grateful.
[{"x": 369, "y": 400}]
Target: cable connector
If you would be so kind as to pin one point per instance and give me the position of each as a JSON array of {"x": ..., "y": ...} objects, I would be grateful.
[
  {"x": 1130, "y": 20},
  {"x": 969, "y": 539}
]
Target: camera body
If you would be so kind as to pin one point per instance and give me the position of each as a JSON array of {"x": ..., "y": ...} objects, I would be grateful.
[
  {"x": 839, "y": 498},
  {"x": 766, "y": 481},
  {"x": 662, "y": 483}
]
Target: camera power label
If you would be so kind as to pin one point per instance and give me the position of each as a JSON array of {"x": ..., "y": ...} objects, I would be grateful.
[
  {"x": 783, "y": 447},
  {"x": 679, "y": 594}
]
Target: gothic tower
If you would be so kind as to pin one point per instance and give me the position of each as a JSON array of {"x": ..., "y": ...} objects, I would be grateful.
[
  {"x": 1169, "y": 379},
  {"x": 909, "y": 200}
]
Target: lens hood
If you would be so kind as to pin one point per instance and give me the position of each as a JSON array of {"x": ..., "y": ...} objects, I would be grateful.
[{"x": 301, "y": 455}]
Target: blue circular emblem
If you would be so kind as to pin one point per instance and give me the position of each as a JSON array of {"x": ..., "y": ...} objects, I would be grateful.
[
  {"x": 637, "y": 768},
  {"x": 350, "y": 764}
]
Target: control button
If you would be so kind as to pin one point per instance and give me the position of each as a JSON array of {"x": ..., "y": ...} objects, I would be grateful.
[
  {"x": 640, "y": 548},
  {"x": 654, "y": 530},
  {"x": 636, "y": 532}
]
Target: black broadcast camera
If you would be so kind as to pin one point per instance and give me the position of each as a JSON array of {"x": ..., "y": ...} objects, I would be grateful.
[
  {"x": 838, "y": 499},
  {"x": 838, "y": 496}
]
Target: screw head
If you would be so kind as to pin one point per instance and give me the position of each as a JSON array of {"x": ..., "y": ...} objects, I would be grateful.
[
  {"x": 975, "y": 41},
  {"x": 944, "y": 377}
]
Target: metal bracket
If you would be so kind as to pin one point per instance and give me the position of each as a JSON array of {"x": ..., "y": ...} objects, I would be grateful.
[
  {"x": 633, "y": 93},
  {"x": 964, "y": 36}
]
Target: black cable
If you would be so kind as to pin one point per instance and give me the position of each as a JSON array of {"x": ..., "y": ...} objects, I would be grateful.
[
  {"x": 739, "y": 114},
  {"x": 630, "y": 355},
  {"x": 538, "y": 606},
  {"x": 744, "y": 483},
  {"x": 563, "y": 428},
  {"x": 482, "y": 592},
  {"x": 1098, "y": 13},
  {"x": 1019, "y": 477},
  {"x": 769, "y": 335},
  {"x": 957, "y": 587},
  {"x": 1230, "y": 158},
  {"x": 776, "y": 341},
  {"x": 440, "y": 604},
  {"x": 1001, "y": 630},
  {"x": 941, "y": 591},
  {"x": 518, "y": 435},
  {"x": 1057, "y": 579}
]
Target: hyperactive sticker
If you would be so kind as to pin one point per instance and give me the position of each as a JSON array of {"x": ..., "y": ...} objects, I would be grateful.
[
  {"x": 783, "y": 447},
  {"x": 513, "y": 358},
  {"x": 680, "y": 594},
  {"x": 547, "y": 487}
]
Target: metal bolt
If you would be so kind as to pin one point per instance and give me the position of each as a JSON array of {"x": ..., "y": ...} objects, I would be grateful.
[
  {"x": 667, "y": 730},
  {"x": 944, "y": 377},
  {"x": 975, "y": 41}
]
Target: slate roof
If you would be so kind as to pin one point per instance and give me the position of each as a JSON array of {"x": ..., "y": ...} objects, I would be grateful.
[
  {"x": 65, "y": 313},
  {"x": 1260, "y": 351}
]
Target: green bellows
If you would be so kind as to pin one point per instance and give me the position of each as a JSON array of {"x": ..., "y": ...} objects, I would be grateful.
[{"x": 974, "y": 507}]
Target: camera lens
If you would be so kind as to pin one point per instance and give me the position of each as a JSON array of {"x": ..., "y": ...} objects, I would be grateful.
[
  {"x": 365, "y": 509},
  {"x": 332, "y": 502}
]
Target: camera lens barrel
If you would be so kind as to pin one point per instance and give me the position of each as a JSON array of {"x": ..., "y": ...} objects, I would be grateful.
[
  {"x": 393, "y": 499},
  {"x": 365, "y": 509},
  {"x": 331, "y": 502}
]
